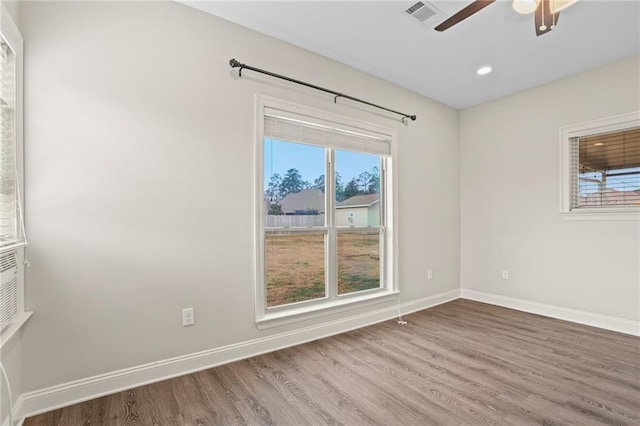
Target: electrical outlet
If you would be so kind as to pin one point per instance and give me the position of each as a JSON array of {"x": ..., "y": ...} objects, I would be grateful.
[
  {"x": 430, "y": 274},
  {"x": 505, "y": 274},
  {"x": 188, "y": 317}
]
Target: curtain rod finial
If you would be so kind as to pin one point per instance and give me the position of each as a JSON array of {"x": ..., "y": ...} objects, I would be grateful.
[{"x": 234, "y": 63}]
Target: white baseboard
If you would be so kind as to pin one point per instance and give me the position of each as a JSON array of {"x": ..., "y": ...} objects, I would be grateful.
[
  {"x": 620, "y": 325},
  {"x": 70, "y": 393},
  {"x": 15, "y": 410}
]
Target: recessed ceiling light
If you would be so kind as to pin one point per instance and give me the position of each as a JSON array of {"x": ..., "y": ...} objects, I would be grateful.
[
  {"x": 484, "y": 70},
  {"x": 598, "y": 144}
]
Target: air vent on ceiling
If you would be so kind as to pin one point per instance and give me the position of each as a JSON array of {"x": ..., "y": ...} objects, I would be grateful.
[{"x": 425, "y": 13}]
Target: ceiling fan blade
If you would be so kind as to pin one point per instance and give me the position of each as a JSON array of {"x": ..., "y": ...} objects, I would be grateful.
[
  {"x": 474, "y": 7},
  {"x": 545, "y": 20}
]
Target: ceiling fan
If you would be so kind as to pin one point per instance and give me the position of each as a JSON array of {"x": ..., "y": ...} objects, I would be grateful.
[{"x": 546, "y": 12}]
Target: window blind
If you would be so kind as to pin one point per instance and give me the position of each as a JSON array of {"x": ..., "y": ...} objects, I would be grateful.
[
  {"x": 574, "y": 145},
  {"x": 606, "y": 169},
  {"x": 291, "y": 127},
  {"x": 8, "y": 171}
]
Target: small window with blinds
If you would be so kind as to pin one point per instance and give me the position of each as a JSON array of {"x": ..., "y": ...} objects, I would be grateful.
[
  {"x": 324, "y": 210},
  {"x": 600, "y": 169},
  {"x": 606, "y": 170}
]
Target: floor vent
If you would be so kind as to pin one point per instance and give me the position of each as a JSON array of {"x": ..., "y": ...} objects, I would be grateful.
[
  {"x": 8, "y": 288},
  {"x": 426, "y": 14}
]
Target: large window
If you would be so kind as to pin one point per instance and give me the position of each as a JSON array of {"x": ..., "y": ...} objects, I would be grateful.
[
  {"x": 325, "y": 210},
  {"x": 601, "y": 168}
]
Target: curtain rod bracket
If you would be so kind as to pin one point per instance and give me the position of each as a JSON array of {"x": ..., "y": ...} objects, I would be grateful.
[{"x": 236, "y": 64}]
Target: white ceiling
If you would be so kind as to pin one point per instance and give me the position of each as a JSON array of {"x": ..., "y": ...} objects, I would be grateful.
[{"x": 378, "y": 37}]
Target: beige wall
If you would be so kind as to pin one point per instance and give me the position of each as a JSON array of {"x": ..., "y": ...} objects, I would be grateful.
[
  {"x": 362, "y": 216},
  {"x": 373, "y": 215},
  {"x": 510, "y": 199},
  {"x": 138, "y": 142}
]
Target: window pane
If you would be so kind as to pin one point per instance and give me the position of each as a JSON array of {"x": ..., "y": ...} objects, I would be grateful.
[
  {"x": 294, "y": 268},
  {"x": 293, "y": 184},
  {"x": 609, "y": 169},
  {"x": 358, "y": 262},
  {"x": 357, "y": 189},
  {"x": 8, "y": 199}
]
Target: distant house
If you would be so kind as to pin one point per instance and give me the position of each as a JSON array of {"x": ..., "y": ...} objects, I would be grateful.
[
  {"x": 305, "y": 202},
  {"x": 361, "y": 210}
]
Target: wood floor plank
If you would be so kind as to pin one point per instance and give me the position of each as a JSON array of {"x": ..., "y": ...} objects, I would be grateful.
[
  {"x": 284, "y": 384},
  {"x": 188, "y": 396},
  {"x": 460, "y": 363},
  {"x": 153, "y": 413},
  {"x": 220, "y": 405}
]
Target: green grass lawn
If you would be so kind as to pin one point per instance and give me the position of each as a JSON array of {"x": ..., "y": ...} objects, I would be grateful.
[{"x": 295, "y": 266}]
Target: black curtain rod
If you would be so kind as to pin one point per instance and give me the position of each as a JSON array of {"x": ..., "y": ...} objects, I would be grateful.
[{"x": 236, "y": 64}]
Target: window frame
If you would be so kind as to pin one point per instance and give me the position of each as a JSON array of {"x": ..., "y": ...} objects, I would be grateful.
[
  {"x": 332, "y": 302},
  {"x": 590, "y": 128},
  {"x": 10, "y": 33}
]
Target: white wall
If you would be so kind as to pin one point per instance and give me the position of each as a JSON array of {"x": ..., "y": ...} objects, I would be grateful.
[
  {"x": 139, "y": 147},
  {"x": 510, "y": 199},
  {"x": 13, "y": 8}
]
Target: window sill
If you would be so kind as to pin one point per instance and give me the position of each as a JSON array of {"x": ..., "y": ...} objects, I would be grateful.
[
  {"x": 15, "y": 326},
  {"x": 276, "y": 319},
  {"x": 604, "y": 214},
  {"x": 12, "y": 246}
]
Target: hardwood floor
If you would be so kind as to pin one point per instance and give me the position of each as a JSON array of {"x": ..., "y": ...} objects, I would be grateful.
[{"x": 459, "y": 363}]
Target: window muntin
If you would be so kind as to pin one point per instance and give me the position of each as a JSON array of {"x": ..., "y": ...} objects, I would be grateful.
[
  {"x": 370, "y": 249},
  {"x": 606, "y": 170}
]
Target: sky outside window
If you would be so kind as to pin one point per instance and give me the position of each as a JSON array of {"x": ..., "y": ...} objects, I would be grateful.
[{"x": 281, "y": 156}]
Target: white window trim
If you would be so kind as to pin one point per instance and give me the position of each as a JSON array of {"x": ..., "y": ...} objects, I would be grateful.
[
  {"x": 12, "y": 36},
  {"x": 312, "y": 309},
  {"x": 604, "y": 125}
]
